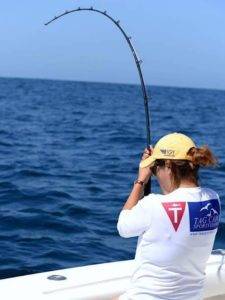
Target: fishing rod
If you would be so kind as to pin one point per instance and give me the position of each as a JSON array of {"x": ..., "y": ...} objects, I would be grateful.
[{"x": 138, "y": 64}]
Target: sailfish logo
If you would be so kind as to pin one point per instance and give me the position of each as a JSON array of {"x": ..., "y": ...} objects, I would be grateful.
[
  {"x": 163, "y": 151},
  {"x": 167, "y": 152},
  {"x": 212, "y": 213}
]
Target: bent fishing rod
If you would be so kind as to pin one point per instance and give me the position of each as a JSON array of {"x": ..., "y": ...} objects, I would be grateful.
[{"x": 138, "y": 64}]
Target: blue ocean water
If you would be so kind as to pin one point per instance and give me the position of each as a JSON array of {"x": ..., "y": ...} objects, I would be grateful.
[{"x": 69, "y": 153}]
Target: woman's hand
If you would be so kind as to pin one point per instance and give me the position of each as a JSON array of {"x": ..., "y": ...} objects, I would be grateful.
[
  {"x": 137, "y": 190},
  {"x": 145, "y": 173}
]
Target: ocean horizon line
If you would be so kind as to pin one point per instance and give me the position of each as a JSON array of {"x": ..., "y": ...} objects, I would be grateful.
[{"x": 113, "y": 83}]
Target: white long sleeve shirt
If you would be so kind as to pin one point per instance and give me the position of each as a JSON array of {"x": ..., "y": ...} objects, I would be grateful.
[{"x": 176, "y": 235}]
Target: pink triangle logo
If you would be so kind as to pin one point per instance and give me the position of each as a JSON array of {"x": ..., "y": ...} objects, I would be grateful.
[{"x": 175, "y": 211}]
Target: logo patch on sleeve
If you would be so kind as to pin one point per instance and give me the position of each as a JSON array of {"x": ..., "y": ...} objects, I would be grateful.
[
  {"x": 175, "y": 211},
  {"x": 204, "y": 215}
]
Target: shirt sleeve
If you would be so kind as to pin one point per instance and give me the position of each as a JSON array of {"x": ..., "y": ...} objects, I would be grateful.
[{"x": 134, "y": 222}]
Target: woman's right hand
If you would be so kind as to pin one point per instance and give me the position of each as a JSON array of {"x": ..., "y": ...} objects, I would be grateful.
[{"x": 145, "y": 173}]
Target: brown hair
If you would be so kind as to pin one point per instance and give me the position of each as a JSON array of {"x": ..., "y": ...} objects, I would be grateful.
[{"x": 184, "y": 169}]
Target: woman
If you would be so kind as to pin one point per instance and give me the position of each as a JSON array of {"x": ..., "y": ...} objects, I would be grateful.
[{"x": 176, "y": 230}]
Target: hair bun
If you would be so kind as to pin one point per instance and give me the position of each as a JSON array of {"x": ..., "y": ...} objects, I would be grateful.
[{"x": 202, "y": 156}]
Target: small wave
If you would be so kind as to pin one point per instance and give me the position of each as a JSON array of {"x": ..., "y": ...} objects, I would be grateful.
[
  {"x": 75, "y": 211},
  {"x": 56, "y": 194},
  {"x": 7, "y": 186},
  {"x": 32, "y": 173},
  {"x": 7, "y": 144}
]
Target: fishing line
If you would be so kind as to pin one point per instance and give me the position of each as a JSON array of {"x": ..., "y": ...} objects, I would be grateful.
[{"x": 138, "y": 64}]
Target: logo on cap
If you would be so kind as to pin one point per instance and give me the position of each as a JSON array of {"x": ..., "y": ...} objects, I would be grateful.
[{"x": 167, "y": 152}]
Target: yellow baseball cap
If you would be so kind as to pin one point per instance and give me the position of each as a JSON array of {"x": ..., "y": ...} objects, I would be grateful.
[{"x": 171, "y": 146}]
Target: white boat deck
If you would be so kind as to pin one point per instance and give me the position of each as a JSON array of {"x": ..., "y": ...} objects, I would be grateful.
[{"x": 97, "y": 282}]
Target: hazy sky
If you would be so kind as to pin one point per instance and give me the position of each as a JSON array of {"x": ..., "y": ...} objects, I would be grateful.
[{"x": 181, "y": 43}]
